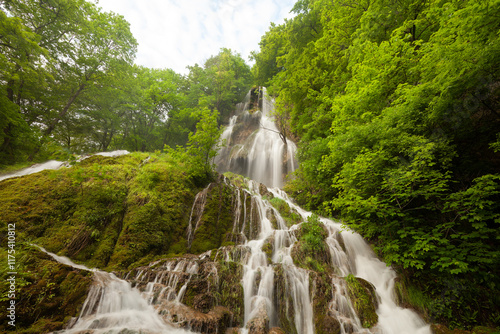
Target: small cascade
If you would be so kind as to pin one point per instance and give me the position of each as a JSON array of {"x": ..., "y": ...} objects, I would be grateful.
[
  {"x": 113, "y": 306},
  {"x": 392, "y": 318},
  {"x": 343, "y": 310},
  {"x": 258, "y": 295},
  {"x": 196, "y": 214},
  {"x": 51, "y": 164},
  {"x": 54, "y": 164},
  {"x": 352, "y": 255}
]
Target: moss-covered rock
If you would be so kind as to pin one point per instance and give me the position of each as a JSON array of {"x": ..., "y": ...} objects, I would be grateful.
[
  {"x": 216, "y": 220},
  {"x": 310, "y": 251},
  {"x": 364, "y": 298},
  {"x": 322, "y": 293},
  {"x": 268, "y": 248},
  {"x": 259, "y": 324},
  {"x": 48, "y": 294},
  {"x": 108, "y": 212},
  {"x": 230, "y": 289},
  {"x": 284, "y": 303},
  {"x": 290, "y": 216}
]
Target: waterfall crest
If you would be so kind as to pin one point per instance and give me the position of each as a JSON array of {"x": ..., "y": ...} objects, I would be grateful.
[{"x": 255, "y": 148}]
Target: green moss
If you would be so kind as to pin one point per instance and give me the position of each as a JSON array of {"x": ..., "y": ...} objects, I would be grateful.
[
  {"x": 238, "y": 180},
  {"x": 364, "y": 299},
  {"x": 310, "y": 251},
  {"x": 290, "y": 216},
  {"x": 408, "y": 295},
  {"x": 321, "y": 290},
  {"x": 216, "y": 220},
  {"x": 230, "y": 289},
  {"x": 284, "y": 307},
  {"x": 48, "y": 293},
  {"x": 104, "y": 211},
  {"x": 268, "y": 248}
]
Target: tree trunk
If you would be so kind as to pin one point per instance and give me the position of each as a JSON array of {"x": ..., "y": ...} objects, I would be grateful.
[{"x": 52, "y": 125}]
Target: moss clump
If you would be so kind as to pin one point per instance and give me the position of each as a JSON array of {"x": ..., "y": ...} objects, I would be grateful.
[
  {"x": 158, "y": 205},
  {"x": 311, "y": 251},
  {"x": 198, "y": 295},
  {"x": 268, "y": 248},
  {"x": 321, "y": 289},
  {"x": 362, "y": 293},
  {"x": 216, "y": 220},
  {"x": 289, "y": 215},
  {"x": 238, "y": 180},
  {"x": 230, "y": 289}
]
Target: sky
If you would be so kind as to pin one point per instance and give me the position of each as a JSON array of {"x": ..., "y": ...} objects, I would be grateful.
[{"x": 177, "y": 33}]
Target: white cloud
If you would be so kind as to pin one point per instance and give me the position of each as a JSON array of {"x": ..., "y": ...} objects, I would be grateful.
[{"x": 177, "y": 33}]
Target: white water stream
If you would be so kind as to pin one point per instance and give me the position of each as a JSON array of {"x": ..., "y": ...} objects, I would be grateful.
[
  {"x": 113, "y": 306},
  {"x": 359, "y": 260},
  {"x": 54, "y": 164}
]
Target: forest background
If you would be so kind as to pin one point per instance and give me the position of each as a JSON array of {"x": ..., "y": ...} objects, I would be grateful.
[{"x": 393, "y": 104}]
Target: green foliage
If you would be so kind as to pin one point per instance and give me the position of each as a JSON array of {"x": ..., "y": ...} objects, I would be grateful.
[
  {"x": 396, "y": 107},
  {"x": 290, "y": 216},
  {"x": 68, "y": 81},
  {"x": 313, "y": 234},
  {"x": 202, "y": 147}
]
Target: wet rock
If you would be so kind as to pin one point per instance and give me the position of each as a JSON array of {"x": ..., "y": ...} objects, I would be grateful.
[
  {"x": 264, "y": 191},
  {"x": 284, "y": 302},
  {"x": 215, "y": 321},
  {"x": 233, "y": 330},
  {"x": 258, "y": 325},
  {"x": 364, "y": 298},
  {"x": 322, "y": 291}
]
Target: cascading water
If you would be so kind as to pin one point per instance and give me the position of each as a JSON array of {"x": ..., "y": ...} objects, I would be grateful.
[
  {"x": 358, "y": 259},
  {"x": 254, "y": 146},
  {"x": 264, "y": 160},
  {"x": 113, "y": 306},
  {"x": 276, "y": 292}
]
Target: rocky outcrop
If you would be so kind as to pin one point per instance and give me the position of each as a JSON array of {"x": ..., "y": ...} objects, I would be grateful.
[{"x": 364, "y": 298}]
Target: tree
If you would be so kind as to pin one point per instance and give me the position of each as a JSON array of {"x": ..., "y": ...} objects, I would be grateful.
[
  {"x": 83, "y": 45},
  {"x": 20, "y": 72},
  {"x": 227, "y": 79},
  {"x": 203, "y": 144}
]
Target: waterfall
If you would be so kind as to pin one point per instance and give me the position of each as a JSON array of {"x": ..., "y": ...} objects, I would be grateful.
[
  {"x": 358, "y": 259},
  {"x": 276, "y": 291},
  {"x": 254, "y": 146}
]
